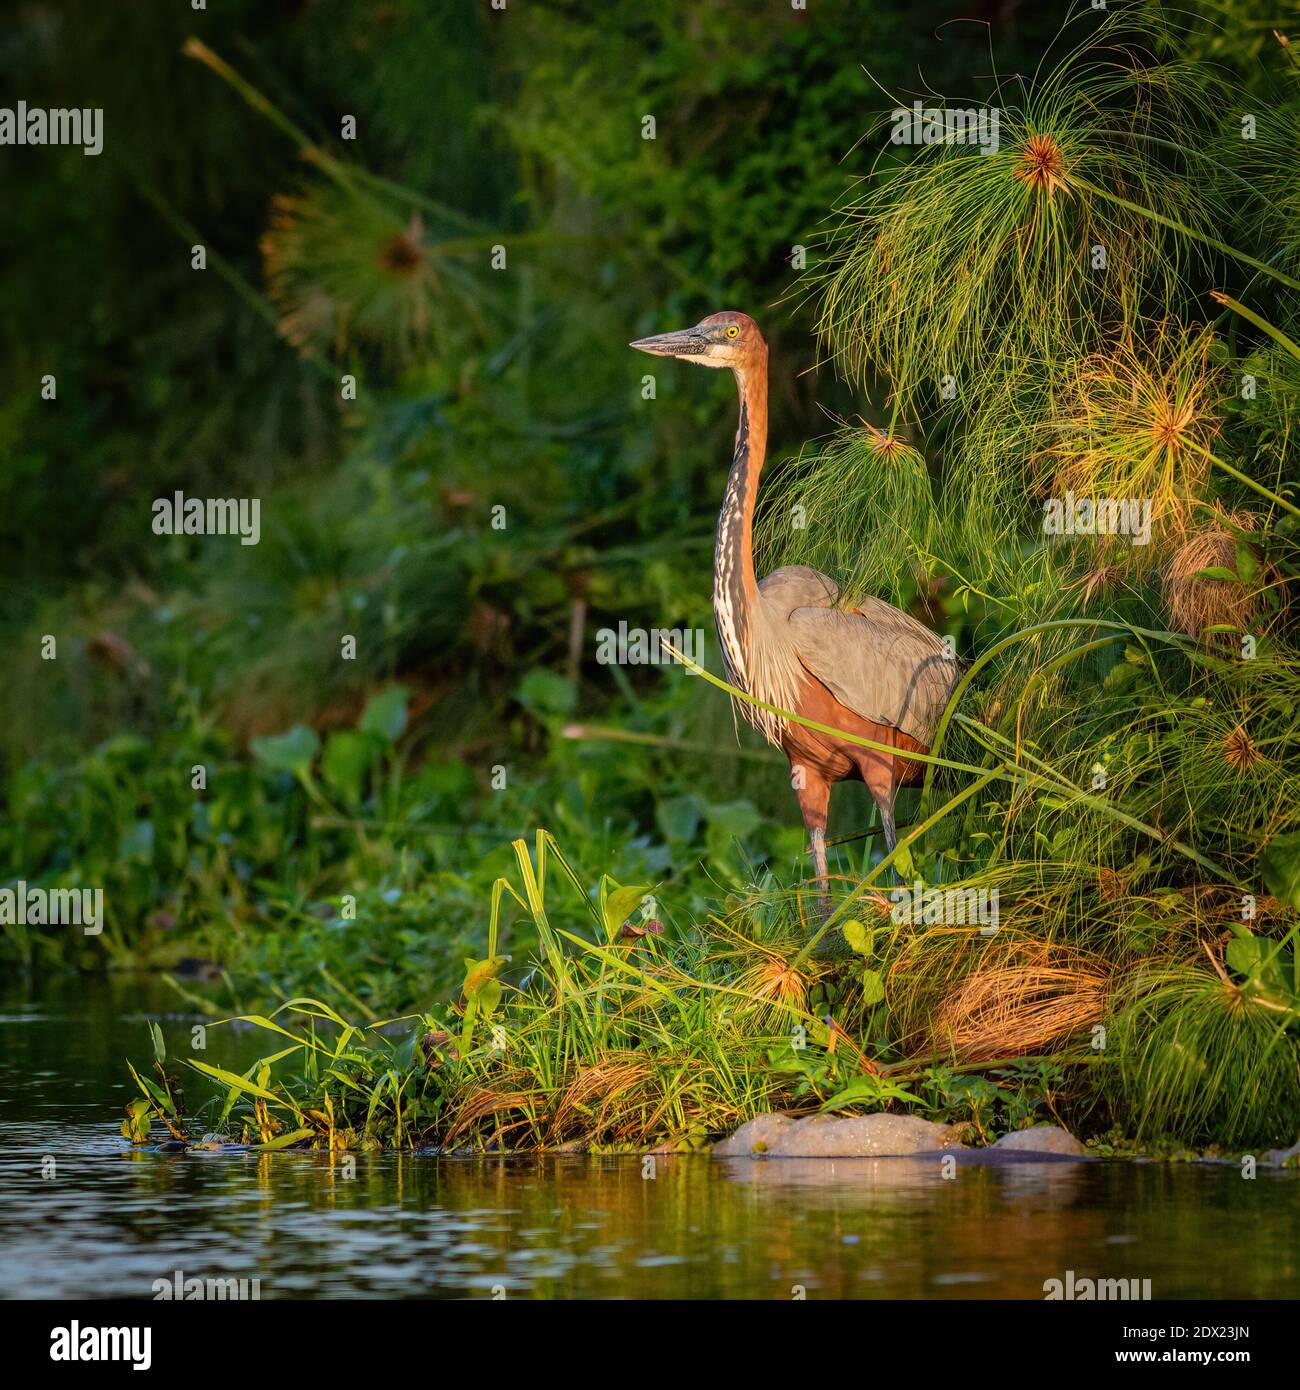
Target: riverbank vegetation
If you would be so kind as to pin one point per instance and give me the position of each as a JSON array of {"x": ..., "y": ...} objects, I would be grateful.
[{"x": 517, "y": 898}]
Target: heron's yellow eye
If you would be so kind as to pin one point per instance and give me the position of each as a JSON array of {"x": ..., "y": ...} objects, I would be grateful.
[{"x": 733, "y": 331}]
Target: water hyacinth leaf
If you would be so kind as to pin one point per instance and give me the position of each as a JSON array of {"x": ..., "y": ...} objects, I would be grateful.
[
  {"x": 348, "y": 756},
  {"x": 734, "y": 819},
  {"x": 1280, "y": 864},
  {"x": 1247, "y": 566},
  {"x": 479, "y": 972},
  {"x": 620, "y": 904},
  {"x": 861, "y": 939},
  {"x": 680, "y": 816},
  {"x": 545, "y": 693},
  {"x": 870, "y": 1090},
  {"x": 122, "y": 746},
  {"x": 488, "y": 996},
  {"x": 385, "y": 714},
  {"x": 137, "y": 842},
  {"x": 136, "y": 1125},
  {"x": 292, "y": 751},
  {"x": 1269, "y": 968}
]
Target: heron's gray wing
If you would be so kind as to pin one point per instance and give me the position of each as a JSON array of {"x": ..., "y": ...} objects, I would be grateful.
[
  {"x": 797, "y": 586},
  {"x": 879, "y": 662}
]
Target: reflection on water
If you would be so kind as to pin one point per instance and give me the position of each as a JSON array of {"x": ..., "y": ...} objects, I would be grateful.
[{"x": 111, "y": 1221}]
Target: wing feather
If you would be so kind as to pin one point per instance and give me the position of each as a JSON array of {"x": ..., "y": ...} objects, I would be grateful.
[{"x": 879, "y": 662}]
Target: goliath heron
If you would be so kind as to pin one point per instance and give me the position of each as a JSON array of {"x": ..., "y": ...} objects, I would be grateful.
[{"x": 870, "y": 670}]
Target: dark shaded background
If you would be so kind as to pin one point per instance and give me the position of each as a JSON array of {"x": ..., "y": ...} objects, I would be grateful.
[{"x": 476, "y": 388}]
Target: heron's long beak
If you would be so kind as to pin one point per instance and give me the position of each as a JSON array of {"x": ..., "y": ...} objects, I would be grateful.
[{"x": 684, "y": 343}]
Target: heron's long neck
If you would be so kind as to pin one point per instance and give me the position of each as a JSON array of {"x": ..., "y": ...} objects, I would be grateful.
[{"x": 735, "y": 590}]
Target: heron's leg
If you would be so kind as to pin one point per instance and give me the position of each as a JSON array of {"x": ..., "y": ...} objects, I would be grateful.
[
  {"x": 878, "y": 774},
  {"x": 886, "y": 807},
  {"x": 814, "y": 793},
  {"x": 818, "y": 839}
]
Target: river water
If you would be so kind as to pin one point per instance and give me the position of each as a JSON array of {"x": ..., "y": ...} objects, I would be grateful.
[{"x": 105, "y": 1220}]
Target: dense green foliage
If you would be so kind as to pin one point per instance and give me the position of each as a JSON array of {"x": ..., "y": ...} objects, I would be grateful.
[
  {"x": 523, "y": 130},
  {"x": 1120, "y": 766}
]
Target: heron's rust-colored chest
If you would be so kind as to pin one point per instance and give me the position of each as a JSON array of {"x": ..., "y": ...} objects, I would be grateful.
[{"x": 836, "y": 760}]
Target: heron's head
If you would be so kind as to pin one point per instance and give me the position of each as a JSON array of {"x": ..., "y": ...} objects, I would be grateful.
[{"x": 721, "y": 340}]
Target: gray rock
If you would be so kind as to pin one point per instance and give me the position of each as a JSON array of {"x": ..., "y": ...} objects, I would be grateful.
[
  {"x": 1042, "y": 1139},
  {"x": 824, "y": 1136},
  {"x": 755, "y": 1136},
  {"x": 1282, "y": 1158},
  {"x": 218, "y": 1141}
]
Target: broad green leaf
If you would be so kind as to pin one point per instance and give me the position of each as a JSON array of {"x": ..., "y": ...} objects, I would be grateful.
[
  {"x": 544, "y": 693},
  {"x": 385, "y": 714},
  {"x": 679, "y": 816},
  {"x": 136, "y": 1125},
  {"x": 123, "y": 746},
  {"x": 859, "y": 937},
  {"x": 621, "y": 904},
  {"x": 348, "y": 756},
  {"x": 1280, "y": 865},
  {"x": 159, "y": 1048},
  {"x": 871, "y": 1090},
  {"x": 479, "y": 972},
  {"x": 288, "y": 752},
  {"x": 136, "y": 842},
  {"x": 873, "y": 987},
  {"x": 1247, "y": 566},
  {"x": 734, "y": 819},
  {"x": 904, "y": 864},
  {"x": 1267, "y": 966},
  {"x": 1243, "y": 954}
]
